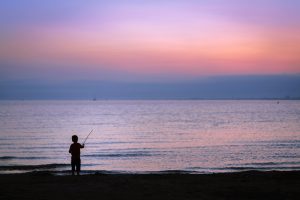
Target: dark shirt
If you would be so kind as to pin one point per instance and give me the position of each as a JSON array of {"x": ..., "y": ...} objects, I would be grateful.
[{"x": 75, "y": 150}]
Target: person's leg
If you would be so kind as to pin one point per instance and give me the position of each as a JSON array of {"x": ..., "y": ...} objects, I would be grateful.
[
  {"x": 73, "y": 167},
  {"x": 78, "y": 167}
]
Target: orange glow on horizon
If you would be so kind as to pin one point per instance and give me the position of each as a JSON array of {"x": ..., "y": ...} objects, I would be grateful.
[{"x": 210, "y": 48}]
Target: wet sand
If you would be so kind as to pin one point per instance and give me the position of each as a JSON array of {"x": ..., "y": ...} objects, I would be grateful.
[{"x": 242, "y": 185}]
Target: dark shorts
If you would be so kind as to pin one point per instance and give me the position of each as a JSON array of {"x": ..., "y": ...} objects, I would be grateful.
[{"x": 75, "y": 163}]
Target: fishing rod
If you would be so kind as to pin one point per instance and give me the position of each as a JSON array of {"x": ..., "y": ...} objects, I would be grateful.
[{"x": 87, "y": 136}]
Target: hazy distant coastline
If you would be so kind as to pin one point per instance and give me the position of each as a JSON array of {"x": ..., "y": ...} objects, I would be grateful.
[
  {"x": 171, "y": 99},
  {"x": 270, "y": 87}
]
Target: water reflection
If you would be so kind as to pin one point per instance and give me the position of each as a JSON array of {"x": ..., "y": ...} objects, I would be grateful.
[{"x": 153, "y": 135}]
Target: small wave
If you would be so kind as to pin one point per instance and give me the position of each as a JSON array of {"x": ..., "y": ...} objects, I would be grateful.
[
  {"x": 121, "y": 155},
  {"x": 261, "y": 168},
  {"x": 33, "y": 167},
  {"x": 6, "y": 157},
  {"x": 272, "y": 163},
  {"x": 21, "y": 158},
  {"x": 241, "y": 168},
  {"x": 172, "y": 172}
]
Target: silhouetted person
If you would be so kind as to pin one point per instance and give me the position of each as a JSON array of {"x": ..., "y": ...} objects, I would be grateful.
[{"x": 75, "y": 152}]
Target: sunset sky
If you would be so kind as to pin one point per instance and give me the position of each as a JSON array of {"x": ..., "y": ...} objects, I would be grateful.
[{"x": 153, "y": 40}]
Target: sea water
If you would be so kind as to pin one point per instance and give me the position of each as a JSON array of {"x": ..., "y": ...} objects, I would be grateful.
[{"x": 197, "y": 136}]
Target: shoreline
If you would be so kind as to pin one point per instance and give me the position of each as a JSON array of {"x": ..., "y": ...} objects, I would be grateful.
[
  {"x": 67, "y": 172},
  {"x": 237, "y": 185},
  {"x": 64, "y": 169}
]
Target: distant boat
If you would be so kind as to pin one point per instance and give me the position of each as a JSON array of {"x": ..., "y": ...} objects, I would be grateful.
[{"x": 94, "y": 99}]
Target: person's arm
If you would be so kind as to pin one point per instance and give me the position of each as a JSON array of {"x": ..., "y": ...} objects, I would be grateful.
[
  {"x": 82, "y": 146},
  {"x": 70, "y": 151}
]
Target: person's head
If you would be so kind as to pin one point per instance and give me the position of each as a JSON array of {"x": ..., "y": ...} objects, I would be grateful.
[{"x": 75, "y": 138}]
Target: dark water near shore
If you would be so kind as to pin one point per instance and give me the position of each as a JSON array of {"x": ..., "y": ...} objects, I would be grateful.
[{"x": 151, "y": 136}]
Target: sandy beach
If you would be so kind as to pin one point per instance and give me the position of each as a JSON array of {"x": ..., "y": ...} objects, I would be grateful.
[{"x": 241, "y": 185}]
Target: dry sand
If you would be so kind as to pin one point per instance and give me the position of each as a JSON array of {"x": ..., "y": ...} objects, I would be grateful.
[{"x": 242, "y": 185}]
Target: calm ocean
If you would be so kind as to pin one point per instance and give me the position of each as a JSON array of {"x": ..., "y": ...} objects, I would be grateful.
[{"x": 151, "y": 136}]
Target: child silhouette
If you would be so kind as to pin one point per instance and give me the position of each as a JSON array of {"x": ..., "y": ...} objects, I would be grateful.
[{"x": 75, "y": 152}]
